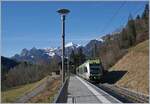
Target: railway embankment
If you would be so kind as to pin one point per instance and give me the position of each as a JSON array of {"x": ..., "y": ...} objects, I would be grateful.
[{"x": 133, "y": 69}]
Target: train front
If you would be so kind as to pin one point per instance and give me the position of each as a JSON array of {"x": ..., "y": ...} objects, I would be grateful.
[{"x": 95, "y": 71}]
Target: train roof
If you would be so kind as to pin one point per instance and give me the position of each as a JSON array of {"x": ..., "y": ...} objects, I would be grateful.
[
  {"x": 92, "y": 61},
  {"x": 96, "y": 61}
]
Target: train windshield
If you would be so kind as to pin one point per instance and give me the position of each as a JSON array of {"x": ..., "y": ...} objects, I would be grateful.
[{"x": 95, "y": 68}]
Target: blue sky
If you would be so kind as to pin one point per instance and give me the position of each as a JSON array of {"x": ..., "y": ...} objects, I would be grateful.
[{"x": 36, "y": 24}]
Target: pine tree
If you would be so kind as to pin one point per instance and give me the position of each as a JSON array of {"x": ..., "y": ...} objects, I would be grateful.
[
  {"x": 94, "y": 51},
  {"x": 138, "y": 17},
  {"x": 72, "y": 55},
  {"x": 146, "y": 12},
  {"x": 73, "y": 59},
  {"x": 81, "y": 56},
  {"x": 131, "y": 31},
  {"x": 124, "y": 39}
]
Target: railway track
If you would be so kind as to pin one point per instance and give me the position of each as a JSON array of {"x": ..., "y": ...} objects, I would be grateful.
[{"x": 123, "y": 94}]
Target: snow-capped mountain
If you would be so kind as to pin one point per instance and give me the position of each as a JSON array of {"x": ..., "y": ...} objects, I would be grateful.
[
  {"x": 50, "y": 51},
  {"x": 100, "y": 39},
  {"x": 57, "y": 51},
  {"x": 37, "y": 56},
  {"x": 40, "y": 56},
  {"x": 89, "y": 47},
  {"x": 71, "y": 44}
]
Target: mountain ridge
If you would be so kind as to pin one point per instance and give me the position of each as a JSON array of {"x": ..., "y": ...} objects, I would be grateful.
[{"x": 40, "y": 56}]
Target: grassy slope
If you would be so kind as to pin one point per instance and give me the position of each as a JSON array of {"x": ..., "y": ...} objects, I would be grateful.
[
  {"x": 47, "y": 96},
  {"x": 12, "y": 94},
  {"x": 136, "y": 63}
]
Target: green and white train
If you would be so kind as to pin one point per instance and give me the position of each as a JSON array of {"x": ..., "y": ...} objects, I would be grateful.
[{"x": 91, "y": 70}]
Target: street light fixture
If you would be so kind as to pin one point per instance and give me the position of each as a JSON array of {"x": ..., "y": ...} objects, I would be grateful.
[{"x": 63, "y": 13}]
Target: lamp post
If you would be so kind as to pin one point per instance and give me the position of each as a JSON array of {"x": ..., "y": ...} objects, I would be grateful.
[
  {"x": 68, "y": 64},
  {"x": 63, "y": 13},
  {"x": 68, "y": 71}
]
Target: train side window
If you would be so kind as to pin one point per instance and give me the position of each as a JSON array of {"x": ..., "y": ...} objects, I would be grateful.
[{"x": 85, "y": 69}]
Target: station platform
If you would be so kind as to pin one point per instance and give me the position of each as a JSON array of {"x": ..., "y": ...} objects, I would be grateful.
[{"x": 81, "y": 91}]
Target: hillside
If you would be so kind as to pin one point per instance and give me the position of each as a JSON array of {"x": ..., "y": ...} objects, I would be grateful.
[
  {"x": 45, "y": 90},
  {"x": 136, "y": 63},
  {"x": 7, "y": 63},
  {"x": 12, "y": 94}
]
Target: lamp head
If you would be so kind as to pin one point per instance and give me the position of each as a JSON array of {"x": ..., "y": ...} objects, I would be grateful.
[{"x": 63, "y": 11}]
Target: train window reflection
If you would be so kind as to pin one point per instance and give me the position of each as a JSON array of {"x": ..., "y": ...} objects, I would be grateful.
[{"x": 94, "y": 70}]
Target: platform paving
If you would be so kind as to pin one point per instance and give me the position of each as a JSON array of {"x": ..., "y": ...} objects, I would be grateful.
[{"x": 81, "y": 91}]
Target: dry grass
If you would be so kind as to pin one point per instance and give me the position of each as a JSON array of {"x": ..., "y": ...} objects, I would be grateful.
[
  {"x": 136, "y": 63},
  {"x": 47, "y": 95},
  {"x": 12, "y": 94}
]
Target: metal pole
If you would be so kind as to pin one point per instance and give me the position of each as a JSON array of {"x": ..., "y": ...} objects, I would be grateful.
[
  {"x": 63, "y": 12},
  {"x": 68, "y": 62},
  {"x": 63, "y": 47},
  {"x": 95, "y": 50}
]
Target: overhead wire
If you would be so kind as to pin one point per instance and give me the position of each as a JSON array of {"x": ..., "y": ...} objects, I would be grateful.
[
  {"x": 135, "y": 13},
  {"x": 113, "y": 17}
]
